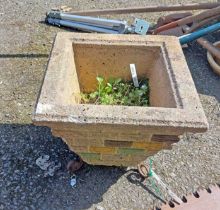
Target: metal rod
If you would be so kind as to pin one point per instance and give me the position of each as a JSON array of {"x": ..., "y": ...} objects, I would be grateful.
[
  {"x": 200, "y": 24},
  {"x": 93, "y": 20},
  {"x": 198, "y": 17},
  {"x": 115, "y": 25},
  {"x": 197, "y": 34},
  {"x": 179, "y": 7},
  {"x": 162, "y": 184},
  {"x": 80, "y": 26},
  {"x": 86, "y": 19},
  {"x": 210, "y": 47}
]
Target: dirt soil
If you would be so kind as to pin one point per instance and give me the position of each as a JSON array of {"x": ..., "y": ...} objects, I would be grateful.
[{"x": 25, "y": 44}]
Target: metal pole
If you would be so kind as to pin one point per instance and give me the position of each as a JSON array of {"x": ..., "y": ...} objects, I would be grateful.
[
  {"x": 197, "y": 34},
  {"x": 179, "y": 7},
  {"x": 97, "y": 24},
  {"x": 210, "y": 47},
  {"x": 198, "y": 17},
  {"x": 80, "y": 26},
  {"x": 87, "y": 20}
]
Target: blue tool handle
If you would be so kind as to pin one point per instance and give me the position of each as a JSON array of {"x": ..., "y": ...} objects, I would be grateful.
[{"x": 197, "y": 34}]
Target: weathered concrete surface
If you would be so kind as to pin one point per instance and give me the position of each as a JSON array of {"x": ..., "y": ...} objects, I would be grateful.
[
  {"x": 75, "y": 61},
  {"x": 191, "y": 164}
]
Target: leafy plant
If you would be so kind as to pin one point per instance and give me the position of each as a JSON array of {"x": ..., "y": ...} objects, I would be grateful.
[{"x": 118, "y": 92}]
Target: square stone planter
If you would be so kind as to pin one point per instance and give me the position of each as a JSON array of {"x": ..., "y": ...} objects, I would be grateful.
[{"x": 118, "y": 135}]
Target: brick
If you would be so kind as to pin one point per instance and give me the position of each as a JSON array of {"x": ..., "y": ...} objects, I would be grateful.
[
  {"x": 113, "y": 163},
  {"x": 89, "y": 156},
  {"x": 135, "y": 137},
  {"x": 115, "y": 143},
  {"x": 128, "y": 136},
  {"x": 130, "y": 151},
  {"x": 168, "y": 145},
  {"x": 70, "y": 133},
  {"x": 148, "y": 145},
  {"x": 164, "y": 138},
  {"x": 140, "y": 158},
  {"x": 79, "y": 149},
  {"x": 85, "y": 142},
  {"x": 103, "y": 150},
  {"x": 115, "y": 157},
  {"x": 75, "y": 142}
]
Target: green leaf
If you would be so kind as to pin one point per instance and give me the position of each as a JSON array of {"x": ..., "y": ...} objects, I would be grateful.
[
  {"x": 111, "y": 81},
  {"x": 118, "y": 80},
  {"x": 100, "y": 79},
  {"x": 118, "y": 92},
  {"x": 93, "y": 95}
]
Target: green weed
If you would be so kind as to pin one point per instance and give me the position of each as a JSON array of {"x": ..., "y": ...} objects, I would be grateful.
[{"x": 118, "y": 92}]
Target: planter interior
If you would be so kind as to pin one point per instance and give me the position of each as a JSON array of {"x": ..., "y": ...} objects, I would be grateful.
[{"x": 113, "y": 60}]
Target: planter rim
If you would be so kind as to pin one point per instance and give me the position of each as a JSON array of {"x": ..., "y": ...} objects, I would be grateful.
[{"x": 188, "y": 116}]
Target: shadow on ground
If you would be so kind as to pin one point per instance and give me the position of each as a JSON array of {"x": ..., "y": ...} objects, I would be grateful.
[
  {"x": 136, "y": 179},
  {"x": 23, "y": 184},
  {"x": 207, "y": 82}
]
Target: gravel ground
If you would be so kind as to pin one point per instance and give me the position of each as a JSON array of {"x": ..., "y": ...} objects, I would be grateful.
[{"x": 193, "y": 163}]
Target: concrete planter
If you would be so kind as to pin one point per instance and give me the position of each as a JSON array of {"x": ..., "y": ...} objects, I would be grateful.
[{"x": 118, "y": 135}]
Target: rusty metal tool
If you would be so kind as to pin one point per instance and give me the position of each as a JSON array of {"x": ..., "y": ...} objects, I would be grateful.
[
  {"x": 184, "y": 21},
  {"x": 213, "y": 60},
  {"x": 161, "y": 8},
  {"x": 207, "y": 199},
  {"x": 206, "y": 44},
  {"x": 210, "y": 47},
  {"x": 198, "y": 24},
  {"x": 172, "y": 17}
]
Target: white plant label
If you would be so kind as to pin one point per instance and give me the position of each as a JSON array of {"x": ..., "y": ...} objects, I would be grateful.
[{"x": 134, "y": 75}]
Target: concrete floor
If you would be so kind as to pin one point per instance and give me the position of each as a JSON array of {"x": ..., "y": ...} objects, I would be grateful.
[{"x": 25, "y": 44}]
